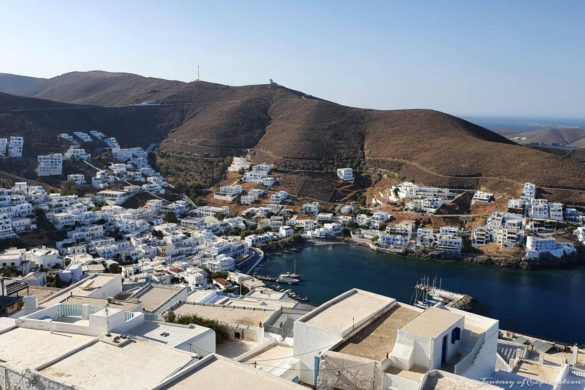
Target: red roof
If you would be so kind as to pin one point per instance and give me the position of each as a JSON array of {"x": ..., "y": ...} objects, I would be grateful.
[{"x": 221, "y": 281}]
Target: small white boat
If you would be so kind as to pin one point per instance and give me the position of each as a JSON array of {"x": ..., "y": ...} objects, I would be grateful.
[{"x": 283, "y": 278}]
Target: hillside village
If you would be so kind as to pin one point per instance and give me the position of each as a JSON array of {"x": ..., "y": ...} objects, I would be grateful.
[
  {"x": 130, "y": 261},
  {"x": 252, "y": 213}
]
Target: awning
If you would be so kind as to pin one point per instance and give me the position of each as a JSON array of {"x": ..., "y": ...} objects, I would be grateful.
[{"x": 541, "y": 346}]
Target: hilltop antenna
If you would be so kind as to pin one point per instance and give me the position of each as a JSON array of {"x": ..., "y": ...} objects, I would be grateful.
[{"x": 197, "y": 72}]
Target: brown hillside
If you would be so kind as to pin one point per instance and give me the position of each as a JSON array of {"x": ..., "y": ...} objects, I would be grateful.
[
  {"x": 96, "y": 87},
  {"x": 200, "y": 121}
]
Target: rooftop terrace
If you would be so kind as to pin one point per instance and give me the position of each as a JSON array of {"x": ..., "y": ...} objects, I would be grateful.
[
  {"x": 541, "y": 372},
  {"x": 219, "y": 373},
  {"x": 273, "y": 356},
  {"x": 156, "y": 296},
  {"x": 432, "y": 322},
  {"x": 230, "y": 314},
  {"x": 377, "y": 339},
  {"x": 102, "y": 365},
  {"x": 333, "y": 315},
  {"x": 23, "y": 348}
]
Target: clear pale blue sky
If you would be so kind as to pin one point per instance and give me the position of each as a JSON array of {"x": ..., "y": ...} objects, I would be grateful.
[{"x": 516, "y": 57}]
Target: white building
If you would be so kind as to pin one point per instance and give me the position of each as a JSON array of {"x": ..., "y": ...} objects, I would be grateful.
[
  {"x": 77, "y": 178},
  {"x": 528, "y": 191},
  {"x": 536, "y": 246},
  {"x": 482, "y": 197},
  {"x": 50, "y": 164},
  {"x": 285, "y": 231},
  {"x": 112, "y": 143},
  {"x": 84, "y": 137},
  {"x": 556, "y": 211},
  {"x": 221, "y": 263},
  {"x": 113, "y": 196},
  {"x": 279, "y": 197},
  {"x": 310, "y": 208},
  {"x": 67, "y": 137},
  {"x": 102, "y": 179},
  {"x": 14, "y": 257},
  {"x": 408, "y": 190},
  {"x": 6, "y": 230},
  {"x": 3, "y": 145},
  {"x": 76, "y": 153},
  {"x": 15, "y": 146},
  {"x": 393, "y": 242},
  {"x": 363, "y": 330},
  {"x": 345, "y": 174},
  {"x": 44, "y": 257},
  {"x": 239, "y": 163},
  {"x": 538, "y": 209},
  {"x": 210, "y": 211},
  {"x": 228, "y": 193},
  {"x": 97, "y": 134}
]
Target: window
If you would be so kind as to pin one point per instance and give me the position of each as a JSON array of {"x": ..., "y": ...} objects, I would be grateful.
[{"x": 455, "y": 335}]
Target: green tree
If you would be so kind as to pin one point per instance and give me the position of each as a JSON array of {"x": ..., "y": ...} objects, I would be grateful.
[
  {"x": 171, "y": 217},
  {"x": 69, "y": 188}
]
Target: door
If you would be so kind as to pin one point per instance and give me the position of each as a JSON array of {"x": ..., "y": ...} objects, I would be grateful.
[{"x": 444, "y": 349}]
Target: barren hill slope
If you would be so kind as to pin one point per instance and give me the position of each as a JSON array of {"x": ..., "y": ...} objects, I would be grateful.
[
  {"x": 202, "y": 120},
  {"x": 95, "y": 87},
  {"x": 558, "y": 136}
]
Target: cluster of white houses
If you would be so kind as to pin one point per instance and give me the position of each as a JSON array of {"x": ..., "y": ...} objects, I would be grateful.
[
  {"x": 420, "y": 199},
  {"x": 403, "y": 237},
  {"x": 130, "y": 166},
  {"x": 16, "y": 209},
  {"x": 257, "y": 174},
  {"x": 11, "y": 148},
  {"x": 529, "y": 222}
]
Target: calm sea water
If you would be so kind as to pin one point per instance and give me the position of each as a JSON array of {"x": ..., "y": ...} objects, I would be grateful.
[{"x": 548, "y": 304}]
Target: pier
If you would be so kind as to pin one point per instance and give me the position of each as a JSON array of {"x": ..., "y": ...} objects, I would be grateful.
[{"x": 426, "y": 295}]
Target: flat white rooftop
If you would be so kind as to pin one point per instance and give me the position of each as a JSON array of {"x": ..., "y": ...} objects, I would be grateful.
[
  {"x": 219, "y": 373},
  {"x": 201, "y": 295},
  {"x": 276, "y": 355},
  {"x": 231, "y": 314},
  {"x": 432, "y": 322},
  {"x": 156, "y": 296},
  {"x": 168, "y": 334},
  {"x": 267, "y": 293},
  {"x": 135, "y": 365},
  {"x": 23, "y": 348},
  {"x": 348, "y": 309},
  {"x": 259, "y": 303},
  {"x": 84, "y": 289}
]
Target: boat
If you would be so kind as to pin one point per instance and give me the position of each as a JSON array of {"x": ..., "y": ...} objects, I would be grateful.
[
  {"x": 293, "y": 274},
  {"x": 283, "y": 278}
]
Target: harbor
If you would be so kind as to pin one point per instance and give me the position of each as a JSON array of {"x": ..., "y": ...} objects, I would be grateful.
[{"x": 543, "y": 304}]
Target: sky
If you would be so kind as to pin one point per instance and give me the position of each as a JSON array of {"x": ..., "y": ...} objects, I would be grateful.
[{"x": 490, "y": 57}]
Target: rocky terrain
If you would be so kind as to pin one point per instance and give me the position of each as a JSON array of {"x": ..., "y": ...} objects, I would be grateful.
[{"x": 199, "y": 124}]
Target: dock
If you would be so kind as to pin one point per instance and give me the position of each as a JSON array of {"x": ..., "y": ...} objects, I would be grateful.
[{"x": 426, "y": 295}]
